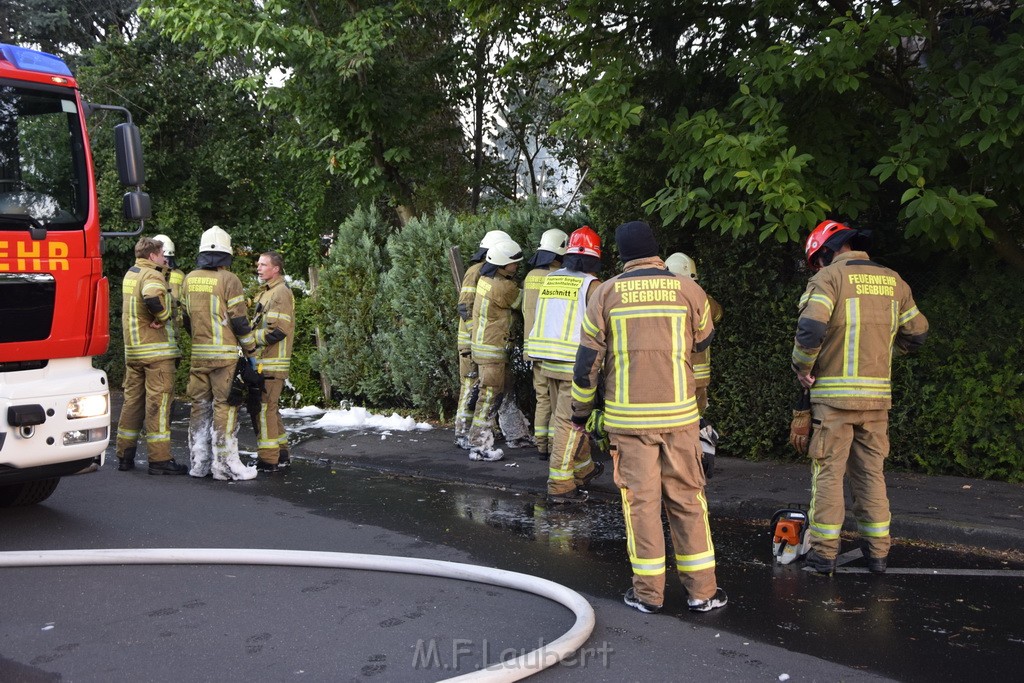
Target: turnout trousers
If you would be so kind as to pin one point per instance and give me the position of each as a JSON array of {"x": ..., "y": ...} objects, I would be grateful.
[
  {"x": 213, "y": 424},
  {"x": 493, "y": 383},
  {"x": 851, "y": 443},
  {"x": 272, "y": 436},
  {"x": 569, "y": 461},
  {"x": 148, "y": 394},
  {"x": 468, "y": 376},
  {"x": 652, "y": 470},
  {"x": 543, "y": 417}
]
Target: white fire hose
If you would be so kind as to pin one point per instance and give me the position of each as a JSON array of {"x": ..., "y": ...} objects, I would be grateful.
[{"x": 516, "y": 669}]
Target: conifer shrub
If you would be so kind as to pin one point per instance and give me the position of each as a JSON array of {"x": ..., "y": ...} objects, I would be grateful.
[
  {"x": 420, "y": 340},
  {"x": 353, "y": 312}
]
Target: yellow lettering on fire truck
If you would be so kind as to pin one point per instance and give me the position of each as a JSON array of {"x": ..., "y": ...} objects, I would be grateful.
[{"x": 28, "y": 256}]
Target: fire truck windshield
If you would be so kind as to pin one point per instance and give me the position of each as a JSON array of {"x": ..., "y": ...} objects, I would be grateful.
[{"x": 43, "y": 177}]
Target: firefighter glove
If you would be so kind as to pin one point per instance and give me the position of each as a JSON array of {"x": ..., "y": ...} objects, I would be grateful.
[
  {"x": 800, "y": 430},
  {"x": 595, "y": 425}
]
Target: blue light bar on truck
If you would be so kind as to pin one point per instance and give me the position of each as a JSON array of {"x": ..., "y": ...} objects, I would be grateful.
[{"x": 33, "y": 60}]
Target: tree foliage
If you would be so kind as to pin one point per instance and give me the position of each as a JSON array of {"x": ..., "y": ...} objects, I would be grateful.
[
  {"x": 369, "y": 91},
  {"x": 66, "y": 27},
  {"x": 770, "y": 116}
]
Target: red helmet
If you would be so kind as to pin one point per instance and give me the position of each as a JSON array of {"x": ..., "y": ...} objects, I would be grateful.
[
  {"x": 584, "y": 241},
  {"x": 825, "y": 231}
]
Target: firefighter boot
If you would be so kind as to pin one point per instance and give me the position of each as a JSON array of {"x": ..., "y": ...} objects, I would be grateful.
[
  {"x": 126, "y": 461},
  {"x": 822, "y": 565},
  {"x": 283, "y": 459},
  {"x": 228, "y": 467},
  {"x": 876, "y": 565},
  {"x": 166, "y": 467}
]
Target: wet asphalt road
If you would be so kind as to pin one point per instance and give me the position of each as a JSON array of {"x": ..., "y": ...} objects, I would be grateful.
[{"x": 245, "y": 623}]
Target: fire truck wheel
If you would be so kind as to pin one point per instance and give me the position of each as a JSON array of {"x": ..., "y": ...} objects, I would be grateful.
[{"x": 28, "y": 493}]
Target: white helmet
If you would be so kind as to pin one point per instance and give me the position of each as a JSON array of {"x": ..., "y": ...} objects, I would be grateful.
[
  {"x": 681, "y": 264},
  {"x": 215, "y": 239},
  {"x": 504, "y": 253},
  {"x": 493, "y": 237},
  {"x": 554, "y": 240},
  {"x": 168, "y": 244}
]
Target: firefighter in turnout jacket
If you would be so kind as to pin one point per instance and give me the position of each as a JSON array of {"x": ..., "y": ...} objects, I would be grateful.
[
  {"x": 547, "y": 259},
  {"x": 215, "y": 316},
  {"x": 852, "y": 314},
  {"x": 274, "y": 329},
  {"x": 681, "y": 264},
  {"x": 553, "y": 339},
  {"x": 497, "y": 294},
  {"x": 468, "y": 372},
  {"x": 641, "y": 327},
  {"x": 150, "y": 350}
]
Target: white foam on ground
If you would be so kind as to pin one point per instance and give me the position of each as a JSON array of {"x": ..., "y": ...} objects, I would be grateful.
[{"x": 356, "y": 418}]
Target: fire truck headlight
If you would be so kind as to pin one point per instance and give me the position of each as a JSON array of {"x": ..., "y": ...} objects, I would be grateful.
[{"x": 87, "y": 406}]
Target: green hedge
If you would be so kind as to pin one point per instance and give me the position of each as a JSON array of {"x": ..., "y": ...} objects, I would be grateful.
[
  {"x": 958, "y": 405},
  {"x": 386, "y": 311}
]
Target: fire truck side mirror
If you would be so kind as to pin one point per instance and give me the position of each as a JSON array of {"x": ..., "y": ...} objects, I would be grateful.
[
  {"x": 128, "y": 144},
  {"x": 137, "y": 206}
]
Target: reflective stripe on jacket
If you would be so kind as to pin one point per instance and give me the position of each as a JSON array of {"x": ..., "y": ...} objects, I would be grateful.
[
  {"x": 531, "y": 289},
  {"x": 467, "y": 295},
  {"x": 852, "y": 314},
  {"x": 492, "y": 317},
  {"x": 561, "y": 305},
  {"x": 641, "y": 326},
  {"x": 142, "y": 343},
  {"x": 274, "y": 316},
  {"x": 212, "y": 299},
  {"x": 702, "y": 359}
]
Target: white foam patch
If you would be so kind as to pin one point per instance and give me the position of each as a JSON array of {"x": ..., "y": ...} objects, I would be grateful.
[
  {"x": 307, "y": 411},
  {"x": 359, "y": 418}
]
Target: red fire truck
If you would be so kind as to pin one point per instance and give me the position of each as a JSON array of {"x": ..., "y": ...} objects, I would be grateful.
[{"x": 54, "y": 299}]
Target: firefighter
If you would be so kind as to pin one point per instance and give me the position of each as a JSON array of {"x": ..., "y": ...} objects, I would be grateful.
[
  {"x": 641, "y": 326},
  {"x": 852, "y": 314},
  {"x": 175, "y": 276},
  {"x": 150, "y": 350},
  {"x": 215, "y": 316},
  {"x": 497, "y": 294},
  {"x": 274, "y": 328},
  {"x": 547, "y": 259},
  {"x": 468, "y": 371},
  {"x": 682, "y": 265},
  {"x": 554, "y": 339}
]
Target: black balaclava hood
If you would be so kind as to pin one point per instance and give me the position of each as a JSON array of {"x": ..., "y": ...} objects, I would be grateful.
[
  {"x": 543, "y": 258},
  {"x": 582, "y": 263},
  {"x": 209, "y": 260},
  {"x": 635, "y": 240}
]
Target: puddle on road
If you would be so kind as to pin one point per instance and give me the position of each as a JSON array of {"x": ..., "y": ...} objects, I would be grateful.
[{"x": 910, "y": 627}]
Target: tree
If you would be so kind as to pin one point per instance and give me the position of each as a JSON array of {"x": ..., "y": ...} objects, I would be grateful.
[
  {"x": 769, "y": 116},
  {"x": 368, "y": 90},
  {"x": 66, "y": 27}
]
